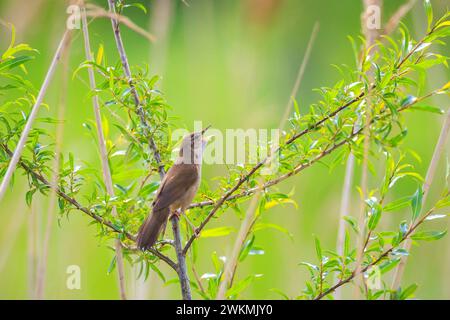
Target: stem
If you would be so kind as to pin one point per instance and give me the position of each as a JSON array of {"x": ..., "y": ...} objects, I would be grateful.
[
  {"x": 103, "y": 152},
  {"x": 182, "y": 269},
  {"x": 231, "y": 263},
  {"x": 32, "y": 116},
  {"x": 370, "y": 34},
  {"x": 42, "y": 263}
]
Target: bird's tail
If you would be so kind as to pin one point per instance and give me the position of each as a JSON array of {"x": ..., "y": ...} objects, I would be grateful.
[{"x": 151, "y": 228}]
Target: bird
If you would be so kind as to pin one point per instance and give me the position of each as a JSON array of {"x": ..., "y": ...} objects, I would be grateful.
[{"x": 177, "y": 190}]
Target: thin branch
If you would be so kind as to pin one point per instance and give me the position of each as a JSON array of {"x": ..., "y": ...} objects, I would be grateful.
[
  {"x": 103, "y": 153},
  {"x": 247, "y": 176},
  {"x": 249, "y": 219},
  {"x": 85, "y": 210},
  {"x": 98, "y": 12},
  {"x": 356, "y": 272},
  {"x": 139, "y": 110},
  {"x": 42, "y": 263},
  {"x": 228, "y": 196},
  {"x": 182, "y": 269},
  {"x": 32, "y": 116}
]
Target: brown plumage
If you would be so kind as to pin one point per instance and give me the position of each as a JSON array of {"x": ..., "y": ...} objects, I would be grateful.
[{"x": 176, "y": 191}]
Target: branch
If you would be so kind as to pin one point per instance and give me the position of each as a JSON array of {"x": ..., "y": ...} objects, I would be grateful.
[
  {"x": 99, "y": 12},
  {"x": 32, "y": 116},
  {"x": 229, "y": 194},
  {"x": 103, "y": 152},
  {"x": 375, "y": 262},
  {"x": 85, "y": 210},
  {"x": 182, "y": 269}
]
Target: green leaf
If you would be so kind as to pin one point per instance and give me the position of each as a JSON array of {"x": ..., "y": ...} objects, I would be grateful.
[
  {"x": 241, "y": 286},
  {"x": 429, "y": 12},
  {"x": 137, "y": 5},
  {"x": 245, "y": 250},
  {"x": 15, "y": 62},
  {"x": 416, "y": 203},
  {"x": 426, "y": 108},
  {"x": 389, "y": 265},
  {"x": 149, "y": 188},
  {"x": 112, "y": 265},
  {"x": 409, "y": 291},
  {"x": 398, "y": 204},
  {"x": 262, "y": 226},
  {"x": 318, "y": 248},
  {"x": 216, "y": 232},
  {"x": 281, "y": 293},
  {"x": 428, "y": 235},
  {"x": 374, "y": 217}
]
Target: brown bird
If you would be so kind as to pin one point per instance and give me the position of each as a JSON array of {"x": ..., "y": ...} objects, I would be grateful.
[{"x": 177, "y": 189}]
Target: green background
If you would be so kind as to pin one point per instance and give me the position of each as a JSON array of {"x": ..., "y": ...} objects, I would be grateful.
[{"x": 231, "y": 64}]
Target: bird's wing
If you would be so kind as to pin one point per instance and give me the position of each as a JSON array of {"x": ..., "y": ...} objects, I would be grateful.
[{"x": 177, "y": 181}]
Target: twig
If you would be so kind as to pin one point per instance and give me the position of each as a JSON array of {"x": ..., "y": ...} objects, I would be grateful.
[
  {"x": 437, "y": 154},
  {"x": 32, "y": 116},
  {"x": 376, "y": 261},
  {"x": 42, "y": 263},
  {"x": 182, "y": 269},
  {"x": 85, "y": 210},
  {"x": 245, "y": 177},
  {"x": 98, "y": 12},
  {"x": 229, "y": 194},
  {"x": 249, "y": 219},
  {"x": 103, "y": 153}
]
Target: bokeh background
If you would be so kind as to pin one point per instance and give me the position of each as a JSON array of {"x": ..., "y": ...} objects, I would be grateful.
[{"x": 232, "y": 64}]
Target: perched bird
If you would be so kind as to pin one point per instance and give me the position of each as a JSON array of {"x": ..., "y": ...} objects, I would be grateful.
[{"x": 177, "y": 189}]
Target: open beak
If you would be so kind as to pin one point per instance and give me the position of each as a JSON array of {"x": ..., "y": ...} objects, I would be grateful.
[{"x": 204, "y": 130}]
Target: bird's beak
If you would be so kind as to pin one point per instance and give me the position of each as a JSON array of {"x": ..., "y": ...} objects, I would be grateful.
[{"x": 204, "y": 130}]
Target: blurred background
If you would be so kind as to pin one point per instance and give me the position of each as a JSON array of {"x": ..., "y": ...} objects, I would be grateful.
[{"x": 231, "y": 64}]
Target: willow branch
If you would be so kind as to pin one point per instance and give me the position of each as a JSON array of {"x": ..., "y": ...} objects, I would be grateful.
[
  {"x": 182, "y": 269},
  {"x": 229, "y": 195},
  {"x": 85, "y": 210},
  {"x": 380, "y": 258}
]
